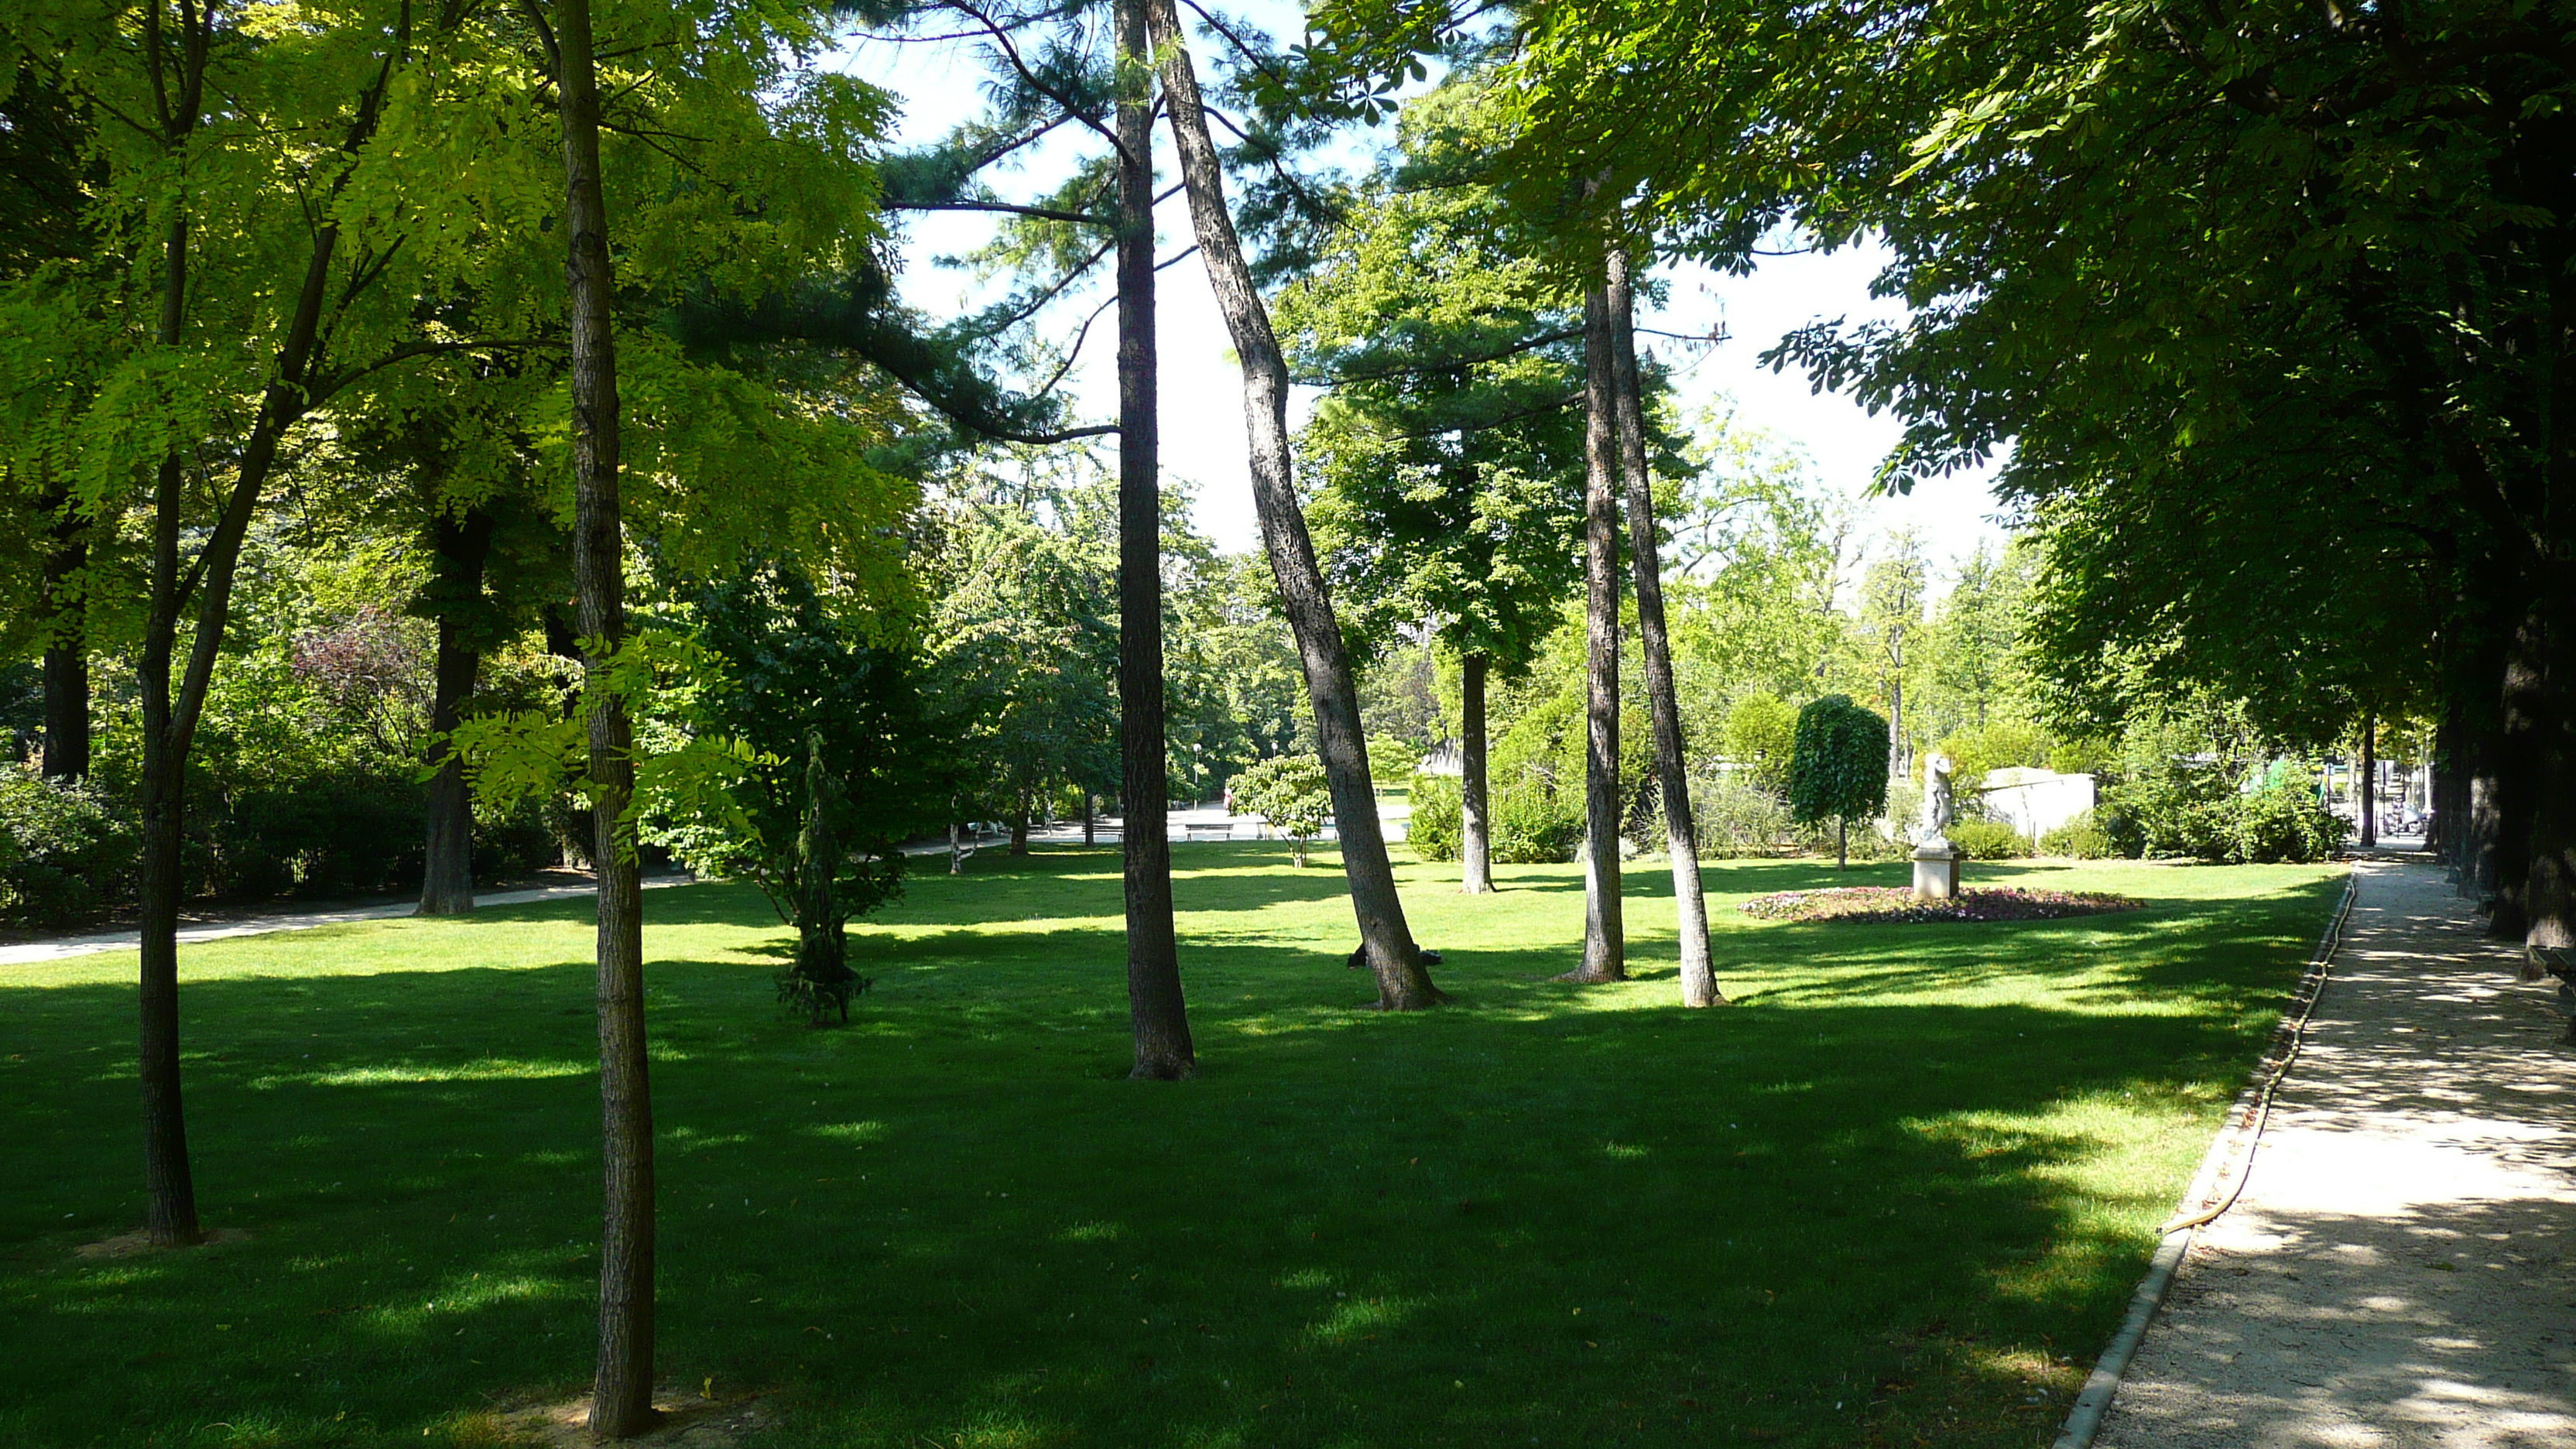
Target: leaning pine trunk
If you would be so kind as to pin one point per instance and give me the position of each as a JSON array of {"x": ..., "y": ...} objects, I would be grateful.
[
  {"x": 1475, "y": 828},
  {"x": 1605, "y": 946},
  {"x": 1403, "y": 984},
  {"x": 1681, "y": 834},
  {"x": 621, "y": 1403},
  {"x": 1157, "y": 1014}
]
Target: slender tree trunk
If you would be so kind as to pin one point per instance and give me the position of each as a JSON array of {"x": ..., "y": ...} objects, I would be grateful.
[
  {"x": 1475, "y": 828},
  {"x": 2369, "y": 800},
  {"x": 956, "y": 850},
  {"x": 1605, "y": 944},
  {"x": 463, "y": 545},
  {"x": 1156, "y": 1011},
  {"x": 1896, "y": 725},
  {"x": 1403, "y": 983},
  {"x": 1842, "y": 842},
  {"x": 622, "y": 1392},
  {"x": 66, "y": 643},
  {"x": 1681, "y": 833}
]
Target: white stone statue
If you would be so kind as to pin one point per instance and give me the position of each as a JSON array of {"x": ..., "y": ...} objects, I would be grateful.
[{"x": 1939, "y": 807}]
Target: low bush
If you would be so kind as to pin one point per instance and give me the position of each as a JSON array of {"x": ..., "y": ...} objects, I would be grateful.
[
  {"x": 2082, "y": 837},
  {"x": 1981, "y": 839},
  {"x": 2283, "y": 823},
  {"x": 1739, "y": 816},
  {"x": 66, "y": 854},
  {"x": 1438, "y": 826}
]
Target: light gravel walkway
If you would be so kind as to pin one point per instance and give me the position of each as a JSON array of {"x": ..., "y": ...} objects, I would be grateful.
[
  {"x": 2401, "y": 1270},
  {"x": 55, "y": 949}
]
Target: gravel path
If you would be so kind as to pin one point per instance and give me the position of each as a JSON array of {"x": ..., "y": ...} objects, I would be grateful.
[{"x": 2401, "y": 1270}]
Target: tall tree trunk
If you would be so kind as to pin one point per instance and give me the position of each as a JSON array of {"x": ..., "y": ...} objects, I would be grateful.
[
  {"x": 2368, "y": 800},
  {"x": 956, "y": 850},
  {"x": 1475, "y": 827},
  {"x": 1403, "y": 983},
  {"x": 1605, "y": 943},
  {"x": 622, "y": 1392},
  {"x": 66, "y": 642},
  {"x": 1681, "y": 832},
  {"x": 1842, "y": 842},
  {"x": 462, "y": 546},
  {"x": 1156, "y": 1012},
  {"x": 2549, "y": 890},
  {"x": 2519, "y": 759},
  {"x": 1019, "y": 823}
]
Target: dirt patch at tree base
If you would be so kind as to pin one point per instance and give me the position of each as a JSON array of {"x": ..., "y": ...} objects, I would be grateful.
[
  {"x": 127, "y": 1245},
  {"x": 689, "y": 1421}
]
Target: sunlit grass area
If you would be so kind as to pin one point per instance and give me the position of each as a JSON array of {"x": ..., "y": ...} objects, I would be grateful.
[{"x": 1898, "y": 1194}]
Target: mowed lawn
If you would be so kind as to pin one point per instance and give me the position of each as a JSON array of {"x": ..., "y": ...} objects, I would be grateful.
[{"x": 1898, "y": 1194}]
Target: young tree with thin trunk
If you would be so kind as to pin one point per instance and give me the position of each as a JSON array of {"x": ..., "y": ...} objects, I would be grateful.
[
  {"x": 621, "y": 1403},
  {"x": 1403, "y": 982},
  {"x": 1605, "y": 943},
  {"x": 1156, "y": 1010},
  {"x": 1681, "y": 836}
]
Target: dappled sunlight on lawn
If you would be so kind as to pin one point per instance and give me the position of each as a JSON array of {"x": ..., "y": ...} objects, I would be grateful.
[{"x": 1913, "y": 1174}]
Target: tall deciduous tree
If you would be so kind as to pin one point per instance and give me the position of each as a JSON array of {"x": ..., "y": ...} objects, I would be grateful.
[
  {"x": 1605, "y": 946},
  {"x": 621, "y": 1404},
  {"x": 1663, "y": 699},
  {"x": 1403, "y": 982}
]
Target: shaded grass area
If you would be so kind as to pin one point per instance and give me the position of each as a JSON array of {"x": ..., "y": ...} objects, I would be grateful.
[{"x": 1897, "y": 1195}]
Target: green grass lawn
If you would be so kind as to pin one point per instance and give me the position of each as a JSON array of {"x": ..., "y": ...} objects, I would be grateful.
[{"x": 1899, "y": 1194}]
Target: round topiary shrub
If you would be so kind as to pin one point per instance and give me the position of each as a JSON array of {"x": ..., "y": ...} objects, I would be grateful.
[{"x": 1980, "y": 839}]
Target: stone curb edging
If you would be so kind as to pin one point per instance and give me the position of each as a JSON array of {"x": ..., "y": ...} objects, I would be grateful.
[{"x": 2234, "y": 1143}]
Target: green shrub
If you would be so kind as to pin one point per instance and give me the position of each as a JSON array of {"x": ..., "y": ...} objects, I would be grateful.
[
  {"x": 65, "y": 855},
  {"x": 2283, "y": 823},
  {"x": 1535, "y": 827},
  {"x": 1981, "y": 839},
  {"x": 2082, "y": 837},
  {"x": 1438, "y": 826},
  {"x": 329, "y": 835},
  {"x": 1290, "y": 792}
]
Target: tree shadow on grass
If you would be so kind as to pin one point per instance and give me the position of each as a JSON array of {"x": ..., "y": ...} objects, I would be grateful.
[{"x": 951, "y": 1220}]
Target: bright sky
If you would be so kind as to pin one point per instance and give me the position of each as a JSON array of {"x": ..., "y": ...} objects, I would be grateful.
[{"x": 1202, "y": 398}]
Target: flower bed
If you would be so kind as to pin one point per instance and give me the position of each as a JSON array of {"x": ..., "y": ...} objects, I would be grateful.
[{"x": 1895, "y": 903}]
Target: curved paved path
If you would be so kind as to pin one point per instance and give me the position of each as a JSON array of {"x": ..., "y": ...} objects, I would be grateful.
[{"x": 2401, "y": 1270}]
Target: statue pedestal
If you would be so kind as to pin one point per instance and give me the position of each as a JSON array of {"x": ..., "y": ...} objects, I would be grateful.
[{"x": 1936, "y": 871}]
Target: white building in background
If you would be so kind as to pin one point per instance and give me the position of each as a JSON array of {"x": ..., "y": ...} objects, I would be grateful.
[{"x": 2035, "y": 801}]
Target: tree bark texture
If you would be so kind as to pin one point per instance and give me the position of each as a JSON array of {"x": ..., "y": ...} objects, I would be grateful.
[
  {"x": 463, "y": 546},
  {"x": 66, "y": 662},
  {"x": 1475, "y": 824},
  {"x": 1605, "y": 943},
  {"x": 621, "y": 1403},
  {"x": 1156, "y": 1011},
  {"x": 1681, "y": 832},
  {"x": 1403, "y": 983}
]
